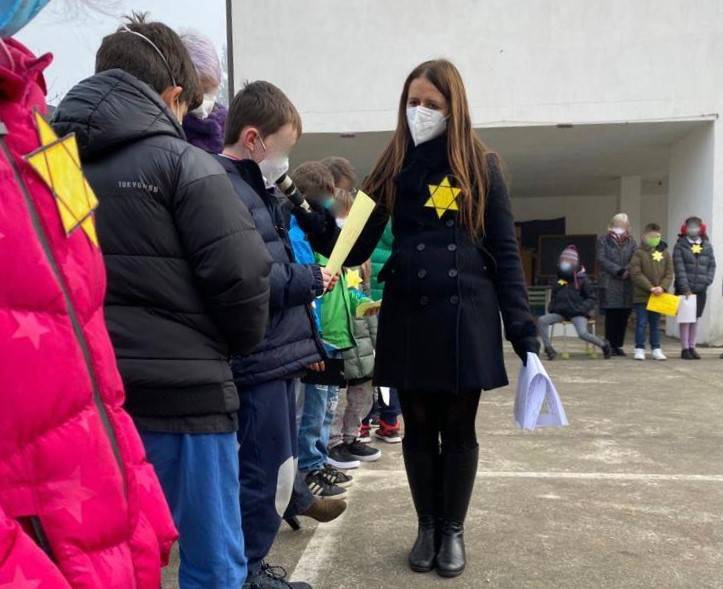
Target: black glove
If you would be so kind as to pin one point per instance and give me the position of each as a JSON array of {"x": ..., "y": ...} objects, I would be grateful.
[{"x": 524, "y": 345}]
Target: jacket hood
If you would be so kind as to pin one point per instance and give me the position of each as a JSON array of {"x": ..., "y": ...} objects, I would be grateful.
[
  {"x": 208, "y": 133},
  {"x": 112, "y": 109}
]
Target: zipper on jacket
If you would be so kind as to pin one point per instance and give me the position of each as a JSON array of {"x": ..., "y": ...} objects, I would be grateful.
[{"x": 72, "y": 315}]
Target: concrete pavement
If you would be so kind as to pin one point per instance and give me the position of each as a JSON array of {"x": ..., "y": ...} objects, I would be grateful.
[{"x": 630, "y": 495}]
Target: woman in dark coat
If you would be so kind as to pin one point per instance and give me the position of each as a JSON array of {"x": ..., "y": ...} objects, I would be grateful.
[
  {"x": 614, "y": 251},
  {"x": 454, "y": 268}
]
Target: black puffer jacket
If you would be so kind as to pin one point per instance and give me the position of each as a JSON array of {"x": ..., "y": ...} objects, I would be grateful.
[
  {"x": 187, "y": 271},
  {"x": 694, "y": 268},
  {"x": 291, "y": 343},
  {"x": 572, "y": 296}
]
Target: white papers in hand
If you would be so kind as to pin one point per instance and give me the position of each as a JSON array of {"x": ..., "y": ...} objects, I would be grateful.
[
  {"x": 688, "y": 309},
  {"x": 537, "y": 403},
  {"x": 386, "y": 394}
]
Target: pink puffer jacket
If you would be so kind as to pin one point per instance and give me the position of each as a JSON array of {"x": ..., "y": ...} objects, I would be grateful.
[{"x": 80, "y": 506}]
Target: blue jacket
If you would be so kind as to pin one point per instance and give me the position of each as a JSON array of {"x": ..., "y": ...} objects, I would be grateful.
[{"x": 291, "y": 342}]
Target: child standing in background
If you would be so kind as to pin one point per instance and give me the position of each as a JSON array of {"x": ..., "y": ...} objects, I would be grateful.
[
  {"x": 694, "y": 263},
  {"x": 358, "y": 363},
  {"x": 651, "y": 270}
]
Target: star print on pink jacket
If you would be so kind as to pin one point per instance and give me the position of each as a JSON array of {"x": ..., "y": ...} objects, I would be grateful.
[{"x": 80, "y": 507}]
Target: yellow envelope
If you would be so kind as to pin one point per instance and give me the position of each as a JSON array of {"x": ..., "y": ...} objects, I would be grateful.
[{"x": 665, "y": 304}]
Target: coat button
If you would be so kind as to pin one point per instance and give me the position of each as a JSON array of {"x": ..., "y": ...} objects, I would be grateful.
[
  {"x": 424, "y": 300},
  {"x": 450, "y": 223},
  {"x": 452, "y": 247},
  {"x": 422, "y": 273},
  {"x": 421, "y": 247},
  {"x": 454, "y": 299},
  {"x": 453, "y": 273}
]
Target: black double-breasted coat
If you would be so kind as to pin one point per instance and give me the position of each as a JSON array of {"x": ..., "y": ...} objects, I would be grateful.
[{"x": 439, "y": 326}]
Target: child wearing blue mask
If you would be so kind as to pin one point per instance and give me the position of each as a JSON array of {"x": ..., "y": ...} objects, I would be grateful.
[{"x": 573, "y": 299}]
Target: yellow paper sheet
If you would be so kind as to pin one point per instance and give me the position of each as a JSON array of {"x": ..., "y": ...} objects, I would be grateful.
[
  {"x": 362, "y": 309},
  {"x": 665, "y": 304},
  {"x": 359, "y": 214}
]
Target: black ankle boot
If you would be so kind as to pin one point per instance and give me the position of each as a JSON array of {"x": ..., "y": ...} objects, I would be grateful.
[
  {"x": 458, "y": 471},
  {"x": 423, "y": 474}
]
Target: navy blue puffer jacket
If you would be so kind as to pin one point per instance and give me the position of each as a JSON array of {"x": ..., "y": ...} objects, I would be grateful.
[{"x": 291, "y": 343}]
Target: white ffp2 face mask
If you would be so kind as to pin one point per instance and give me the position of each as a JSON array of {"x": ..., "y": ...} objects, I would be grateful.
[
  {"x": 425, "y": 123},
  {"x": 274, "y": 167},
  {"x": 202, "y": 112}
]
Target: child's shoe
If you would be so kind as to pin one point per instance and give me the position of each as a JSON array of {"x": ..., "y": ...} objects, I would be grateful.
[
  {"x": 658, "y": 354},
  {"x": 694, "y": 354},
  {"x": 686, "y": 355},
  {"x": 320, "y": 487},
  {"x": 336, "y": 477},
  {"x": 550, "y": 352},
  {"x": 363, "y": 452},
  {"x": 365, "y": 433},
  {"x": 388, "y": 433},
  {"x": 640, "y": 353},
  {"x": 339, "y": 457},
  {"x": 607, "y": 351}
]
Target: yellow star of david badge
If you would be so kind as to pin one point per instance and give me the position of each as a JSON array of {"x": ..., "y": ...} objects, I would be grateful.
[
  {"x": 57, "y": 162},
  {"x": 443, "y": 197},
  {"x": 658, "y": 256},
  {"x": 696, "y": 248},
  {"x": 353, "y": 279},
  {"x": 562, "y": 282}
]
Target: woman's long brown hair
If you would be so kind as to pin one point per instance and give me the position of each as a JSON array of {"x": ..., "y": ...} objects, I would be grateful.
[{"x": 465, "y": 151}]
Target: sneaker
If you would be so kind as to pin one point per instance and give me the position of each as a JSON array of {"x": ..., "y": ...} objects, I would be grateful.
[
  {"x": 319, "y": 487},
  {"x": 694, "y": 354},
  {"x": 374, "y": 422},
  {"x": 685, "y": 354},
  {"x": 365, "y": 434},
  {"x": 550, "y": 352},
  {"x": 658, "y": 354},
  {"x": 336, "y": 477},
  {"x": 607, "y": 351},
  {"x": 339, "y": 457},
  {"x": 640, "y": 353},
  {"x": 271, "y": 577},
  {"x": 363, "y": 452},
  {"x": 388, "y": 433},
  {"x": 619, "y": 352}
]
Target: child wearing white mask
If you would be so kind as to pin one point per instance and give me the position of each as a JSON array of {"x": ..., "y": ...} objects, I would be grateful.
[{"x": 694, "y": 263}]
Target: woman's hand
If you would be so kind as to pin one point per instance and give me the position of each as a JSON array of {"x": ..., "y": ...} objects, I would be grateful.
[
  {"x": 657, "y": 290},
  {"x": 317, "y": 367}
]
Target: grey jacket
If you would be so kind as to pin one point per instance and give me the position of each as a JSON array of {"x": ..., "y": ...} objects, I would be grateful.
[
  {"x": 613, "y": 258},
  {"x": 359, "y": 361},
  {"x": 693, "y": 272}
]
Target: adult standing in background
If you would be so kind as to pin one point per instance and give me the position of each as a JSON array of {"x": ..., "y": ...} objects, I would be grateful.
[
  {"x": 204, "y": 125},
  {"x": 614, "y": 251}
]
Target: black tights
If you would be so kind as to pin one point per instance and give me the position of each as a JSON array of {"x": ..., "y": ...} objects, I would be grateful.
[{"x": 431, "y": 416}]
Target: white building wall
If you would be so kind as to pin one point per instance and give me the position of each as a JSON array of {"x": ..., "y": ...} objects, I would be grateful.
[
  {"x": 691, "y": 182},
  {"x": 523, "y": 61}
]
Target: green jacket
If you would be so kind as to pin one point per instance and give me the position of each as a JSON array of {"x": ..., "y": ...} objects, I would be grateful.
[
  {"x": 649, "y": 268},
  {"x": 336, "y": 311},
  {"x": 380, "y": 255}
]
